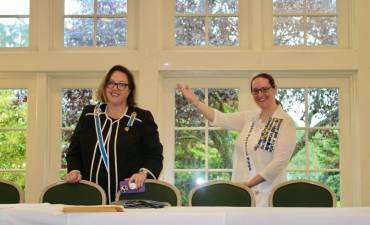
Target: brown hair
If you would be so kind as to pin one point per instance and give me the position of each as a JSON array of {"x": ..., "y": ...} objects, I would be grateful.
[
  {"x": 267, "y": 77},
  {"x": 131, "y": 84}
]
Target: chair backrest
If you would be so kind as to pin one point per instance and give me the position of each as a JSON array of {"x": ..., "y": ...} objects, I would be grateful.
[
  {"x": 10, "y": 192},
  {"x": 221, "y": 193},
  {"x": 302, "y": 193},
  {"x": 82, "y": 193},
  {"x": 155, "y": 190}
]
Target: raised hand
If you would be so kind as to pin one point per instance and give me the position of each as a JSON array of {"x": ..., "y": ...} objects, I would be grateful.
[{"x": 188, "y": 93}]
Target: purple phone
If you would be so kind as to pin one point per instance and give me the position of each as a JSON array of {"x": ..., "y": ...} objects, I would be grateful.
[{"x": 127, "y": 188}]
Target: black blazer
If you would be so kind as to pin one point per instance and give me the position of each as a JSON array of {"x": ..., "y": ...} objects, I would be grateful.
[{"x": 129, "y": 148}]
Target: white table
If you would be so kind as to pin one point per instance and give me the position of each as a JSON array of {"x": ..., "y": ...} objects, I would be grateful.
[{"x": 42, "y": 214}]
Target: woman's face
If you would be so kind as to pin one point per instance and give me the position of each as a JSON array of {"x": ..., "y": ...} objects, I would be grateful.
[
  {"x": 117, "y": 89},
  {"x": 263, "y": 93}
]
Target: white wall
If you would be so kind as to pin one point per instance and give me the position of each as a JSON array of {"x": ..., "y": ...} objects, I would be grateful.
[{"x": 151, "y": 54}]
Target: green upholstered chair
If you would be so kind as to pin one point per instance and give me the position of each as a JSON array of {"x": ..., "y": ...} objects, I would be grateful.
[
  {"x": 221, "y": 193},
  {"x": 10, "y": 193},
  {"x": 82, "y": 193},
  {"x": 302, "y": 193},
  {"x": 155, "y": 190}
]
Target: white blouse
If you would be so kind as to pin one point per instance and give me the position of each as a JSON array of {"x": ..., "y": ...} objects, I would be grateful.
[{"x": 261, "y": 148}]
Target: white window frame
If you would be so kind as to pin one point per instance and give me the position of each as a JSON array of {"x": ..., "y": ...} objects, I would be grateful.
[
  {"x": 58, "y": 82},
  {"x": 343, "y": 28},
  {"x": 169, "y": 14},
  {"x": 241, "y": 79},
  {"x": 57, "y": 29}
]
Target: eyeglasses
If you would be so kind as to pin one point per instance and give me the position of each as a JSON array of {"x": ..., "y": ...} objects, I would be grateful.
[
  {"x": 263, "y": 90},
  {"x": 120, "y": 86}
]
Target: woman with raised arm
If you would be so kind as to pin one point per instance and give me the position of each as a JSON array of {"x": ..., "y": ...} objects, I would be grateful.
[{"x": 266, "y": 137}]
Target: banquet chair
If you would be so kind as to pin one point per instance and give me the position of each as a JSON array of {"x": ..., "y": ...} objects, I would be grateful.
[
  {"x": 82, "y": 193},
  {"x": 221, "y": 193},
  {"x": 302, "y": 193},
  {"x": 155, "y": 190},
  {"x": 11, "y": 193}
]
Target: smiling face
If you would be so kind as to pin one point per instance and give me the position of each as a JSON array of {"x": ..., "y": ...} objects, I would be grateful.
[
  {"x": 117, "y": 90},
  {"x": 263, "y": 93}
]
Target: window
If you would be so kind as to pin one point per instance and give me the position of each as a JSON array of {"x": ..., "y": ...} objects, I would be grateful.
[
  {"x": 73, "y": 101},
  {"x": 13, "y": 130},
  {"x": 207, "y": 23},
  {"x": 100, "y": 23},
  {"x": 316, "y": 114},
  {"x": 304, "y": 22},
  {"x": 203, "y": 152},
  {"x": 14, "y": 23}
]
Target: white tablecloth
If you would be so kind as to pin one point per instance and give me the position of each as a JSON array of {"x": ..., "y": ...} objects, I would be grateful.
[{"x": 40, "y": 214}]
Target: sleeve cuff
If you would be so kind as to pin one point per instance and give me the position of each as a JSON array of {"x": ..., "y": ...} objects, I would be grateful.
[{"x": 145, "y": 170}]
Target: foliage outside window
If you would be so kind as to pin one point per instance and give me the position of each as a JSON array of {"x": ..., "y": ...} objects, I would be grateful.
[
  {"x": 203, "y": 152},
  {"x": 316, "y": 114},
  {"x": 14, "y": 23},
  {"x": 90, "y": 23},
  {"x": 73, "y": 102},
  {"x": 13, "y": 127},
  {"x": 305, "y": 22},
  {"x": 207, "y": 23}
]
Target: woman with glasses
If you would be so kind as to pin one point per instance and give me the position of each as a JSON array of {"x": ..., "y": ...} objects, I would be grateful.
[
  {"x": 266, "y": 140},
  {"x": 115, "y": 139}
]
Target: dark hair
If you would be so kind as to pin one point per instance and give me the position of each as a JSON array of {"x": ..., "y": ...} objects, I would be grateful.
[
  {"x": 267, "y": 77},
  {"x": 270, "y": 80},
  {"x": 131, "y": 84}
]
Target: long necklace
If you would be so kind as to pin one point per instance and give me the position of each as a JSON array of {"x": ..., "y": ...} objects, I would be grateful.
[{"x": 249, "y": 164}]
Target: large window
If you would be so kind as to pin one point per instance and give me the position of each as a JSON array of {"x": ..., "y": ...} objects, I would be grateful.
[
  {"x": 203, "y": 152},
  {"x": 14, "y": 23},
  {"x": 207, "y": 23},
  {"x": 90, "y": 23},
  {"x": 13, "y": 127},
  {"x": 305, "y": 22},
  {"x": 316, "y": 114}
]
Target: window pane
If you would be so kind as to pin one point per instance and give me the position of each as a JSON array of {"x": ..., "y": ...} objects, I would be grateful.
[
  {"x": 292, "y": 175},
  {"x": 13, "y": 108},
  {"x": 322, "y": 6},
  {"x": 224, "y": 99},
  {"x": 78, "y": 7},
  {"x": 12, "y": 149},
  {"x": 15, "y": 7},
  {"x": 219, "y": 176},
  {"x": 14, "y": 32},
  {"x": 17, "y": 177},
  {"x": 190, "y": 6},
  {"x": 332, "y": 179},
  {"x": 111, "y": 32},
  {"x": 321, "y": 31},
  {"x": 288, "y": 30},
  {"x": 288, "y": 6},
  {"x": 323, "y": 107},
  {"x": 190, "y": 31},
  {"x": 324, "y": 149},
  {"x": 186, "y": 115},
  {"x": 78, "y": 32},
  {"x": 223, "y": 6},
  {"x": 66, "y": 136},
  {"x": 223, "y": 31},
  {"x": 111, "y": 7},
  {"x": 221, "y": 147},
  {"x": 73, "y": 101},
  {"x": 293, "y": 102},
  {"x": 185, "y": 181},
  {"x": 189, "y": 150},
  {"x": 62, "y": 174},
  {"x": 298, "y": 159}
]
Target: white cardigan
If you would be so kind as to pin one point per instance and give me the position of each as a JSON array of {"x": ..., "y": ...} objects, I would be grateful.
[{"x": 270, "y": 163}]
